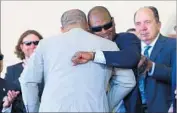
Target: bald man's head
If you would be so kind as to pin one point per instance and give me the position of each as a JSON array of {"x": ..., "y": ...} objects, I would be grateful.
[
  {"x": 99, "y": 11},
  {"x": 101, "y": 22}
]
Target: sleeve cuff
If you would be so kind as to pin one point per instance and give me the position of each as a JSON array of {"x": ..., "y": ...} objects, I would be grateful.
[
  {"x": 150, "y": 73},
  {"x": 7, "y": 110},
  {"x": 99, "y": 57}
]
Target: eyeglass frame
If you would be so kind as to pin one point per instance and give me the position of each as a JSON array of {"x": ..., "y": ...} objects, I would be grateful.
[
  {"x": 102, "y": 26},
  {"x": 28, "y": 43}
]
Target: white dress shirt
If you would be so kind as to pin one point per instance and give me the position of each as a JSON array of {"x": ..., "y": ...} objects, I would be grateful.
[{"x": 143, "y": 46}]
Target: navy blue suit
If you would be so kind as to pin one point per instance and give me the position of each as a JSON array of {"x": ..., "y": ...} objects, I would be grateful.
[
  {"x": 158, "y": 87},
  {"x": 128, "y": 57},
  {"x": 173, "y": 90},
  {"x": 130, "y": 53},
  {"x": 4, "y": 87},
  {"x": 12, "y": 75},
  {"x": 2, "y": 92}
]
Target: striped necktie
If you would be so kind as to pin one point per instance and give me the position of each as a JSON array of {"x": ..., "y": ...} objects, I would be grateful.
[{"x": 141, "y": 79}]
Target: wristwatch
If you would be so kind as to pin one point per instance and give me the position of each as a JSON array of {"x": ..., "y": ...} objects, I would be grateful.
[{"x": 93, "y": 56}]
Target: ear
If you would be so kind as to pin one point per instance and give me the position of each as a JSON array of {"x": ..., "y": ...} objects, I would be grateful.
[
  {"x": 113, "y": 22},
  {"x": 21, "y": 46},
  {"x": 159, "y": 25},
  {"x": 62, "y": 29},
  {"x": 87, "y": 27}
]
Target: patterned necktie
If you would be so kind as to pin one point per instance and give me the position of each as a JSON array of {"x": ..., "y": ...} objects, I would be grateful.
[
  {"x": 146, "y": 53},
  {"x": 141, "y": 79}
]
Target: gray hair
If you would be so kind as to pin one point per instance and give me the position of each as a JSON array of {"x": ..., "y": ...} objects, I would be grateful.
[{"x": 74, "y": 16}]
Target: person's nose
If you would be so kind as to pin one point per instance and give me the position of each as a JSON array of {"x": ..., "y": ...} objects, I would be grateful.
[
  {"x": 33, "y": 46},
  {"x": 104, "y": 31},
  {"x": 143, "y": 27}
]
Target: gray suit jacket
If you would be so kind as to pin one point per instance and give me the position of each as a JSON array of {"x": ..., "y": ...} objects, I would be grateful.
[{"x": 67, "y": 88}]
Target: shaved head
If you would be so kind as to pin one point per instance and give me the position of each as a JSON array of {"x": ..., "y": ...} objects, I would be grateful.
[
  {"x": 100, "y": 18},
  {"x": 99, "y": 11}
]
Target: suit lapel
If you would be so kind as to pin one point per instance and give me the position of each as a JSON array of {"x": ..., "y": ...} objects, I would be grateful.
[
  {"x": 150, "y": 82},
  {"x": 19, "y": 69},
  {"x": 157, "y": 47}
]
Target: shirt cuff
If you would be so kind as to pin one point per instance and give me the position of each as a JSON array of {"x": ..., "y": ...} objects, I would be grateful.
[
  {"x": 7, "y": 110},
  {"x": 99, "y": 57},
  {"x": 150, "y": 73}
]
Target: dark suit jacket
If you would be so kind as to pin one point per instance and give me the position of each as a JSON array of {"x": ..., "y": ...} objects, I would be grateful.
[
  {"x": 158, "y": 87},
  {"x": 4, "y": 87},
  {"x": 12, "y": 75},
  {"x": 2, "y": 92},
  {"x": 130, "y": 53},
  {"x": 128, "y": 57},
  {"x": 173, "y": 90}
]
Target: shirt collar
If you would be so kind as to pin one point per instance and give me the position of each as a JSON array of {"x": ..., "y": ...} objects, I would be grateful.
[
  {"x": 24, "y": 62},
  {"x": 143, "y": 45}
]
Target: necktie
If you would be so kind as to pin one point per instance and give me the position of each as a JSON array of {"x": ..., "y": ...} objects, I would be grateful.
[
  {"x": 146, "y": 54},
  {"x": 141, "y": 78}
]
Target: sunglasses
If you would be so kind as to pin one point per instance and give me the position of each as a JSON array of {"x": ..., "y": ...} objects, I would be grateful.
[
  {"x": 28, "y": 43},
  {"x": 1, "y": 57},
  {"x": 99, "y": 28}
]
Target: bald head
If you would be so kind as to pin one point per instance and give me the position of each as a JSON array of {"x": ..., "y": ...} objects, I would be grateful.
[
  {"x": 101, "y": 22},
  {"x": 99, "y": 11},
  {"x": 153, "y": 10},
  {"x": 74, "y": 17}
]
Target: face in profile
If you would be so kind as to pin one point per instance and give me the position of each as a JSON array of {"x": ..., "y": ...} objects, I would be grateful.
[
  {"x": 146, "y": 25},
  {"x": 102, "y": 25},
  {"x": 29, "y": 43}
]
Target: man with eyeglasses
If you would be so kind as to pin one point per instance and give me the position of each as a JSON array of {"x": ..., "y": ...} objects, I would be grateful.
[{"x": 101, "y": 23}]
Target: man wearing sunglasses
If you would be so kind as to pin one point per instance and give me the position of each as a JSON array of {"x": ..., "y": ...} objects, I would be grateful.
[
  {"x": 101, "y": 23},
  {"x": 26, "y": 44}
]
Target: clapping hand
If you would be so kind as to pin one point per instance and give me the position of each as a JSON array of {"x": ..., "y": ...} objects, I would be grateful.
[
  {"x": 144, "y": 65},
  {"x": 8, "y": 100}
]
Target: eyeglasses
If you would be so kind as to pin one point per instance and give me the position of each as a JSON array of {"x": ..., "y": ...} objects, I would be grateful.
[
  {"x": 99, "y": 28},
  {"x": 28, "y": 43},
  {"x": 1, "y": 57}
]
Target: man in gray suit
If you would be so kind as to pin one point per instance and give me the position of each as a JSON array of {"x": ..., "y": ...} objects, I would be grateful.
[{"x": 69, "y": 88}]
